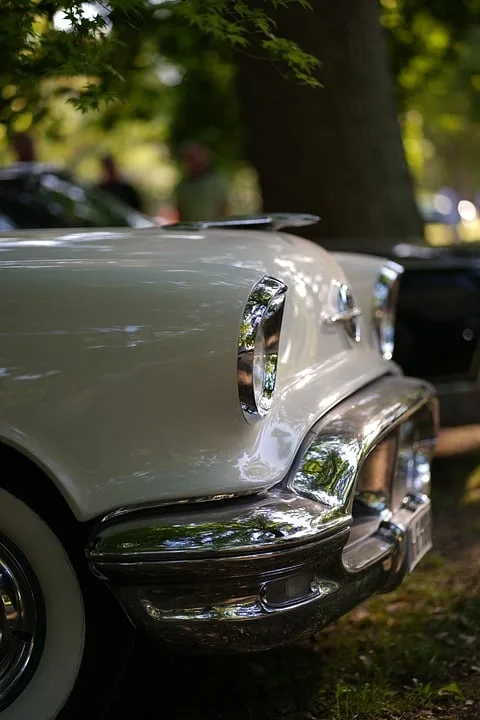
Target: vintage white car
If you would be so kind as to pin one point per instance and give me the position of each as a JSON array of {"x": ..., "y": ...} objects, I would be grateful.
[{"x": 205, "y": 425}]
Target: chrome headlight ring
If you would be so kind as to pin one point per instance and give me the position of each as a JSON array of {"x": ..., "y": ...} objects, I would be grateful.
[
  {"x": 258, "y": 342},
  {"x": 385, "y": 296}
]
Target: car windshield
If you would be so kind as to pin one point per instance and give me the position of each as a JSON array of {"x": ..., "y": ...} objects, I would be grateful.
[{"x": 52, "y": 199}]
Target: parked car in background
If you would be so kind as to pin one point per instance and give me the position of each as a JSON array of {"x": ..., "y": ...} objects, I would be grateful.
[
  {"x": 201, "y": 426},
  {"x": 437, "y": 327},
  {"x": 35, "y": 195}
]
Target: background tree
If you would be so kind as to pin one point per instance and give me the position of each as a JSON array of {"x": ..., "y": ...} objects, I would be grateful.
[
  {"x": 161, "y": 72},
  {"x": 96, "y": 40},
  {"x": 338, "y": 151},
  {"x": 168, "y": 74},
  {"x": 435, "y": 48}
]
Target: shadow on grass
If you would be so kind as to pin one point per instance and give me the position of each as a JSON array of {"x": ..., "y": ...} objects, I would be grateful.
[
  {"x": 234, "y": 687},
  {"x": 456, "y": 503}
]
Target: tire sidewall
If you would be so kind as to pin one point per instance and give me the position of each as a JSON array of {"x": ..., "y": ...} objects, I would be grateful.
[{"x": 63, "y": 650}]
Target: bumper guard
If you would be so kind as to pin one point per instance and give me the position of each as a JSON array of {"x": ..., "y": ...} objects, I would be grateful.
[{"x": 251, "y": 573}]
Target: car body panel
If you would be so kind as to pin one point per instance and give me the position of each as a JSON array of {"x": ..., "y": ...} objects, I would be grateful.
[{"x": 118, "y": 360}]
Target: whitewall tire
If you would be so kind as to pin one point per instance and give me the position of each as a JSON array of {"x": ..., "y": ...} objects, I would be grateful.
[{"x": 35, "y": 566}]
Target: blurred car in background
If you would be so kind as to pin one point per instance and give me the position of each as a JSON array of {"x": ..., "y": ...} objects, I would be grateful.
[
  {"x": 35, "y": 195},
  {"x": 437, "y": 327},
  {"x": 438, "y": 324}
]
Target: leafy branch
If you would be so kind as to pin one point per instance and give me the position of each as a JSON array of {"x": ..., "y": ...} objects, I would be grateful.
[{"x": 35, "y": 47}]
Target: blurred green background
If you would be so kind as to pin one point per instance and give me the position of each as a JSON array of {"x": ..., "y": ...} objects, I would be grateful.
[{"x": 178, "y": 83}]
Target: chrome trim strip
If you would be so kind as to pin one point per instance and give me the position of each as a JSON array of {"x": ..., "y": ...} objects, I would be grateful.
[
  {"x": 385, "y": 297},
  {"x": 221, "y": 567},
  {"x": 191, "y": 501},
  {"x": 270, "y": 221},
  {"x": 277, "y": 518},
  {"x": 314, "y": 500},
  {"x": 346, "y": 312},
  {"x": 343, "y": 317},
  {"x": 245, "y": 608},
  {"x": 258, "y": 343}
]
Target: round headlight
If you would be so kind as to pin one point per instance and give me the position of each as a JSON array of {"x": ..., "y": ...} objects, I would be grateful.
[
  {"x": 258, "y": 342},
  {"x": 385, "y": 297}
]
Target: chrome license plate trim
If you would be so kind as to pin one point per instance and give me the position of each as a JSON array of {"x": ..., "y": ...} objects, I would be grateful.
[{"x": 419, "y": 537}]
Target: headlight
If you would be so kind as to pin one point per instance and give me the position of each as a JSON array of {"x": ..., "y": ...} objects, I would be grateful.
[
  {"x": 258, "y": 342},
  {"x": 385, "y": 297}
]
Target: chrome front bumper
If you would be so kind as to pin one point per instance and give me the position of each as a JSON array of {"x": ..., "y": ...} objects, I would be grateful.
[{"x": 251, "y": 573}]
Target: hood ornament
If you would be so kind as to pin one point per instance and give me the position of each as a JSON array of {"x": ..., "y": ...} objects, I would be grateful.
[{"x": 268, "y": 221}]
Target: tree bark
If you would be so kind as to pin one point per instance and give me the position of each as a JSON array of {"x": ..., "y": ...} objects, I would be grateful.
[{"x": 335, "y": 151}]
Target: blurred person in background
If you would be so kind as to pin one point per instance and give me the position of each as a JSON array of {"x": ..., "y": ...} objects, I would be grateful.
[
  {"x": 115, "y": 184},
  {"x": 23, "y": 147},
  {"x": 202, "y": 193}
]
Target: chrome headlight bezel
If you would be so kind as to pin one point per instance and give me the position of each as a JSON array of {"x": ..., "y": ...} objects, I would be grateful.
[
  {"x": 258, "y": 344},
  {"x": 385, "y": 298}
]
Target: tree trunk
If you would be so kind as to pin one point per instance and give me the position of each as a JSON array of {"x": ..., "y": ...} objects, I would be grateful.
[{"x": 335, "y": 151}]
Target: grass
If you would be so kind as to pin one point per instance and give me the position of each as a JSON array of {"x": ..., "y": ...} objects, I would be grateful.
[{"x": 410, "y": 655}]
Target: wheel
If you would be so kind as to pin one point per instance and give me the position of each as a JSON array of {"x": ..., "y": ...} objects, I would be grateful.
[{"x": 53, "y": 650}]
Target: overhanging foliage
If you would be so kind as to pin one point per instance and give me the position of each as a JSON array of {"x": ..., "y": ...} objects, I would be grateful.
[{"x": 74, "y": 38}]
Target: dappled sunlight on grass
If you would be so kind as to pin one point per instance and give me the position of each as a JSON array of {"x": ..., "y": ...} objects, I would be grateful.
[
  {"x": 472, "y": 487},
  {"x": 405, "y": 651}
]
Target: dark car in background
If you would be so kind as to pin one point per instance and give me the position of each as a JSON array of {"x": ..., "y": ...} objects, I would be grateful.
[
  {"x": 437, "y": 327},
  {"x": 34, "y": 195},
  {"x": 438, "y": 324}
]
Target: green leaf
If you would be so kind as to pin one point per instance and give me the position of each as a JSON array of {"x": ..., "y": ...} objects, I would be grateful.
[{"x": 452, "y": 689}]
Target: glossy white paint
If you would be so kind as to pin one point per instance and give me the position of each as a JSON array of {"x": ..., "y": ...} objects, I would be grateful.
[{"x": 118, "y": 360}]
